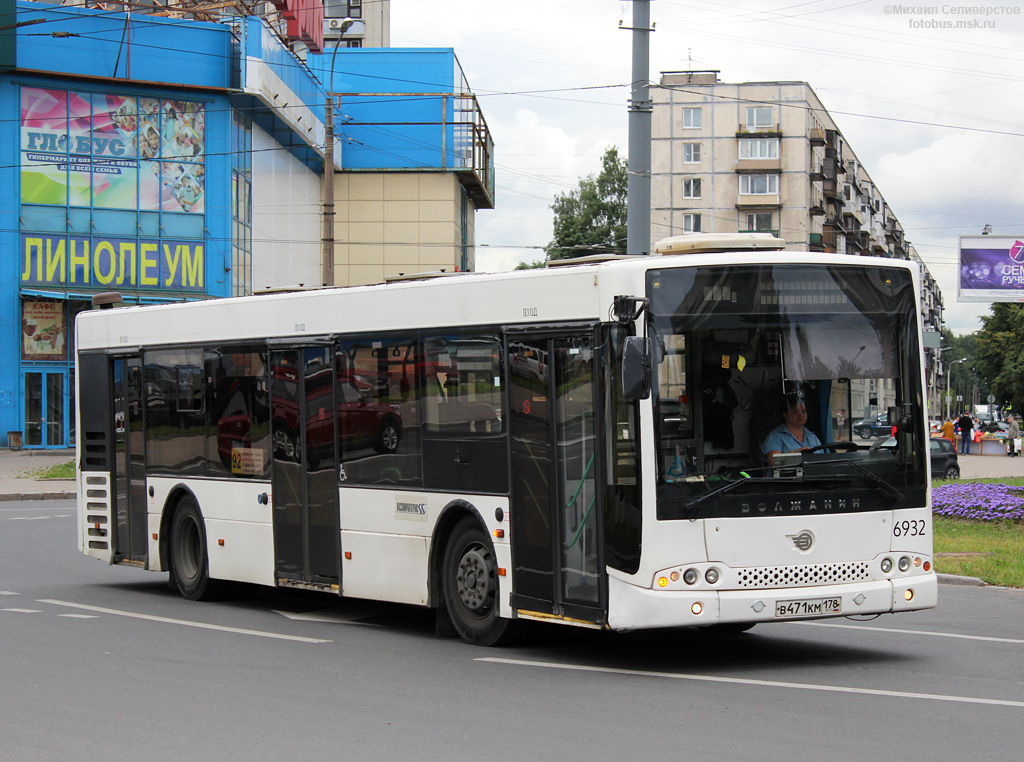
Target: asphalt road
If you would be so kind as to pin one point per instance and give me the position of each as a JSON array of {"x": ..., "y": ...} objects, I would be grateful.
[{"x": 106, "y": 662}]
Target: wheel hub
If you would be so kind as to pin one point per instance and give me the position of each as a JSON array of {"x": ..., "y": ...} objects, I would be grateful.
[{"x": 474, "y": 579}]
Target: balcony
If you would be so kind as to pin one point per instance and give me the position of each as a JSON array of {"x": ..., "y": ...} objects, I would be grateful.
[
  {"x": 832, "y": 189},
  {"x": 815, "y": 243},
  {"x": 816, "y": 135},
  {"x": 768, "y": 131},
  {"x": 817, "y": 172}
]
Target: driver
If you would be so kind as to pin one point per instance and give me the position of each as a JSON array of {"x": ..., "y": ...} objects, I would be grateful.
[{"x": 790, "y": 436}]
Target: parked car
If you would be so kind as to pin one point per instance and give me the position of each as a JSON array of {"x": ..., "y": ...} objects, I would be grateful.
[
  {"x": 945, "y": 464},
  {"x": 870, "y": 428}
]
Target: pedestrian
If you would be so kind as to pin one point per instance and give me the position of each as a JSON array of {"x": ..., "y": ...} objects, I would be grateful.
[
  {"x": 840, "y": 421},
  {"x": 948, "y": 430},
  {"x": 1012, "y": 437},
  {"x": 966, "y": 425}
]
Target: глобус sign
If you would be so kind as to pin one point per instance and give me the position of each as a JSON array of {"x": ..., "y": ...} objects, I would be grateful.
[{"x": 991, "y": 269}]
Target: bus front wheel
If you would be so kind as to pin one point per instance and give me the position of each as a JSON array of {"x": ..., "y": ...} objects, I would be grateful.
[
  {"x": 188, "y": 554},
  {"x": 470, "y": 580}
]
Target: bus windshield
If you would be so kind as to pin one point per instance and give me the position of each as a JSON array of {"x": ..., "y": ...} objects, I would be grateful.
[{"x": 741, "y": 353}]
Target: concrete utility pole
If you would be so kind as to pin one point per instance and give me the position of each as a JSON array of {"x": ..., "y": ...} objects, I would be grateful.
[{"x": 638, "y": 183}]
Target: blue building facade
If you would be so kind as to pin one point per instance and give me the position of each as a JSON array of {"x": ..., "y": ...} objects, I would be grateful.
[
  {"x": 125, "y": 167},
  {"x": 172, "y": 160}
]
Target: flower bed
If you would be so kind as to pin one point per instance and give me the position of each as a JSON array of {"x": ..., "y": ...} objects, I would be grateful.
[{"x": 979, "y": 502}]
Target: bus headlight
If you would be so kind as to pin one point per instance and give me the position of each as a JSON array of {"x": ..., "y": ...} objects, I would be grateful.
[
  {"x": 690, "y": 576},
  {"x": 886, "y": 565},
  {"x": 711, "y": 575},
  {"x": 904, "y": 563}
]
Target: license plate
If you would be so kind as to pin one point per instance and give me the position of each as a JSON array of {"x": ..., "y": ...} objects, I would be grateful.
[{"x": 808, "y": 607}]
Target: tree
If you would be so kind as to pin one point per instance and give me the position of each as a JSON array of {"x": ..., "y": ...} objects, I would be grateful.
[
  {"x": 592, "y": 218},
  {"x": 1000, "y": 358}
]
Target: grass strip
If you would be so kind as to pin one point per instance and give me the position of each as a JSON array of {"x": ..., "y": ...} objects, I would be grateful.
[{"x": 990, "y": 550}]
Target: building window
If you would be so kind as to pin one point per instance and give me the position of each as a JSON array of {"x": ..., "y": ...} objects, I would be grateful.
[
  {"x": 241, "y": 204},
  {"x": 759, "y": 222},
  {"x": 691, "y": 187},
  {"x": 691, "y": 223},
  {"x": 767, "y": 148},
  {"x": 691, "y": 118},
  {"x": 354, "y": 43},
  {"x": 691, "y": 153},
  {"x": 847, "y": 192},
  {"x": 759, "y": 184},
  {"x": 759, "y": 116}
]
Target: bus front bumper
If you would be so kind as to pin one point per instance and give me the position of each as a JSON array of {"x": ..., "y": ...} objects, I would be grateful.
[{"x": 631, "y": 607}]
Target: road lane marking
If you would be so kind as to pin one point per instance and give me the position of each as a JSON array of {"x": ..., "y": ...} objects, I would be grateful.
[
  {"x": 79, "y": 616},
  {"x": 751, "y": 681},
  {"x": 316, "y": 616},
  {"x": 8, "y": 592},
  {"x": 185, "y": 622},
  {"x": 28, "y": 518},
  {"x": 23, "y": 611},
  {"x": 1015, "y": 641}
]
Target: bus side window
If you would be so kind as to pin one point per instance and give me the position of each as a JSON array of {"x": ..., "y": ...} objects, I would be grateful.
[{"x": 378, "y": 411}]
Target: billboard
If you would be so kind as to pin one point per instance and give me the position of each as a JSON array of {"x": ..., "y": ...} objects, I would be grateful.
[
  {"x": 112, "y": 151},
  {"x": 991, "y": 269}
]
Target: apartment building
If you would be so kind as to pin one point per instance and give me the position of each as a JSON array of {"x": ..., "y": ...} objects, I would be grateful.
[
  {"x": 767, "y": 157},
  {"x": 369, "y": 27}
]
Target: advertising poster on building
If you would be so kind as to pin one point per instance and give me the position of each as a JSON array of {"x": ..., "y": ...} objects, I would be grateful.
[
  {"x": 112, "y": 151},
  {"x": 991, "y": 269},
  {"x": 42, "y": 331}
]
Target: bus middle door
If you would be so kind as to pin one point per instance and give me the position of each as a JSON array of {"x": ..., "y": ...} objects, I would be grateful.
[
  {"x": 305, "y": 465},
  {"x": 556, "y": 532}
]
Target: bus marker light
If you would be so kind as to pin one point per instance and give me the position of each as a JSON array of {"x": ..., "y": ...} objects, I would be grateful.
[
  {"x": 690, "y": 576},
  {"x": 221, "y": 543},
  {"x": 927, "y": 565},
  {"x": 674, "y": 576},
  {"x": 908, "y": 594},
  {"x": 499, "y": 533},
  {"x": 697, "y": 608},
  {"x": 501, "y": 571},
  {"x": 154, "y": 533},
  {"x": 348, "y": 555},
  {"x": 917, "y": 562},
  {"x": 662, "y": 581}
]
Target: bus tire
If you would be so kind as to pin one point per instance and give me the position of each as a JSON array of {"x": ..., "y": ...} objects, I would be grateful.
[
  {"x": 189, "y": 558},
  {"x": 470, "y": 585}
]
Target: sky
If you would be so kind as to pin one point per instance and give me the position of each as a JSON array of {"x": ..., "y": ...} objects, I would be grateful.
[{"x": 934, "y": 112}]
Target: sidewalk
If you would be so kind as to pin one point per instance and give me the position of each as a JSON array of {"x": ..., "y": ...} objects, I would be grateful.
[
  {"x": 16, "y": 464},
  {"x": 16, "y": 485}
]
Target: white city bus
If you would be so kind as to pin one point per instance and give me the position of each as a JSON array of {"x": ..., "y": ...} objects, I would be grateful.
[{"x": 582, "y": 444}]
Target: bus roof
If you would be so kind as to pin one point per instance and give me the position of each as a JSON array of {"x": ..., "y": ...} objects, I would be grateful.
[{"x": 527, "y": 297}]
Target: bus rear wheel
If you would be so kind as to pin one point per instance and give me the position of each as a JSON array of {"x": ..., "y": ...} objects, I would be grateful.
[
  {"x": 189, "y": 563},
  {"x": 470, "y": 582}
]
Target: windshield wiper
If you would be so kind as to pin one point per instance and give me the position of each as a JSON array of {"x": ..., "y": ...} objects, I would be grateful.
[
  {"x": 759, "y": 480},
  {"x": 885, "y": 486}
]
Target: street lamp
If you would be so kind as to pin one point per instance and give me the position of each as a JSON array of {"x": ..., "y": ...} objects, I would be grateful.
[{"x": 949, "y": 373}]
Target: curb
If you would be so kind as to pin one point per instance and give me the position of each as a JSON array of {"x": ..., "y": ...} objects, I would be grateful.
[
  {"x": 63, "y": 495},
  {"x": 955, "y": 579}
]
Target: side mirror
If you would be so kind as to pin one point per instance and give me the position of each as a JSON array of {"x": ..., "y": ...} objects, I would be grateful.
[{"x": 636, "y": 368}]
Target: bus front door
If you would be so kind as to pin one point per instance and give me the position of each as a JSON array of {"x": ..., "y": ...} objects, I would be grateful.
[
  {"x": 305, "y": 460},
  {"x": 132, "y": 536},
  {"x": 555, "y": 512}
]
